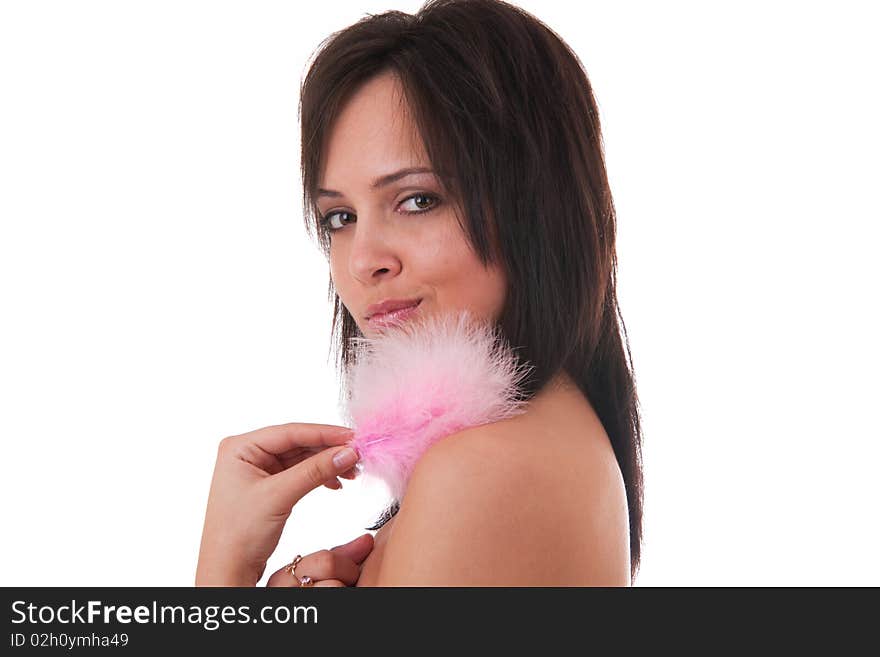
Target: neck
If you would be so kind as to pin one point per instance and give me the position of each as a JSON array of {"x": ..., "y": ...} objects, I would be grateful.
[{"x": 561, "y": 385}]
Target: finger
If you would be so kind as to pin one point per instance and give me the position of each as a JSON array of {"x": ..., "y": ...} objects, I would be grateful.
[
  {"x": 281, "y": 578},
  {"x": 289, "y": 486},
  {"x": 327, "y": 564},
  {"x": 350, "y": 474},
  {"x": 281, "y": 438},
  {"x": 321, "y": 565},
  {"x": 333, "y": 484},
  {"x": 294, "y": 456},
  {"x": 357, "y": 549}
]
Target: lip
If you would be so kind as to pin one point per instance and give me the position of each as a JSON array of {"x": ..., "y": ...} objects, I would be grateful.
[
  {"x": 395, "y": 316},
  {"x": 390, "y": 305}
]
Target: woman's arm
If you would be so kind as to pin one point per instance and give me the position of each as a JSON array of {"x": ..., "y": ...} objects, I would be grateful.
[{"x": 485, "y": 508}]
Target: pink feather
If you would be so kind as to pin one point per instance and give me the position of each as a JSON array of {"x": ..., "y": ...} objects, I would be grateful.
[{"x": 422, "y": 380}]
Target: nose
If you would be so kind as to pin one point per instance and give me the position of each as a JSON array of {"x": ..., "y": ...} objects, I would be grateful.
[{"x": 374, "y": 254}]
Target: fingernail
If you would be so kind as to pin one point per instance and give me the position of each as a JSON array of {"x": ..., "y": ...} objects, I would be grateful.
[{"x": 345, "y": 458}]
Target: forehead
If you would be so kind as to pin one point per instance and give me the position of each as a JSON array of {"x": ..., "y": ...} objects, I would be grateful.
[{"x": 373, "y": 134}]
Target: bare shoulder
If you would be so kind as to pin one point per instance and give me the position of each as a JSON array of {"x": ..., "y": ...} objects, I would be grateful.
[{"x": 511, "y": 504}]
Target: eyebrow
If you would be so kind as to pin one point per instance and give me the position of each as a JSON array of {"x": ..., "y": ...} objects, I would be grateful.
[{"x": 381, "y": 181}]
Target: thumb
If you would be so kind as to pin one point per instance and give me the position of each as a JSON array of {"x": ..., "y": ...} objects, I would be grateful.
[
  {"x": 358, "y": 549},
  {"x": 291, "y": 485}
]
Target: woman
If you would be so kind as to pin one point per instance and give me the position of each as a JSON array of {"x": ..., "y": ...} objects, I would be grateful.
[{"x": 454, "y": 158}]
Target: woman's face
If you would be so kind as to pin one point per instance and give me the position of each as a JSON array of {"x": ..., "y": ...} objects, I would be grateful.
[{"x": 398, "y": 239}]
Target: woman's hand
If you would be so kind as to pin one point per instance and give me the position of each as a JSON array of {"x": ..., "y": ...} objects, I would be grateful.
[
  {"x": 339, "y": 566},
  {"x": 258, "y": 478}
]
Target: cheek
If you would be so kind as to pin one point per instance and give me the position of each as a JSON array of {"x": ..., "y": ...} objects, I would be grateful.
[
  {"x": 334, "y": 271},
  {"x": 338, "y": 275},
  {"x": 466, "y": 283},
  {"x": 494, "y": 292}
]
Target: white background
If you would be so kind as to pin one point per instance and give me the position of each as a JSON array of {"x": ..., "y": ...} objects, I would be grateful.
[{"x": 159, "y": 292}]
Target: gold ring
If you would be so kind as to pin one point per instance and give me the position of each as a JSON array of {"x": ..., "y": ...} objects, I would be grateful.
[
  {"x": 305, "y": 581},
  {"x": 291, "y": 567}
]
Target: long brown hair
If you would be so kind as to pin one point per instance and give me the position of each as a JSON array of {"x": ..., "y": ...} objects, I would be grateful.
[{"x": 509, "y": 122}]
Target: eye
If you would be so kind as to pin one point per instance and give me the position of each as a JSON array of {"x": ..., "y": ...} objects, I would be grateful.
[
  {"x": 421, "y": 200},
  {"x": 326, "y": 220},
  {"x": 421, "y": 203}
]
